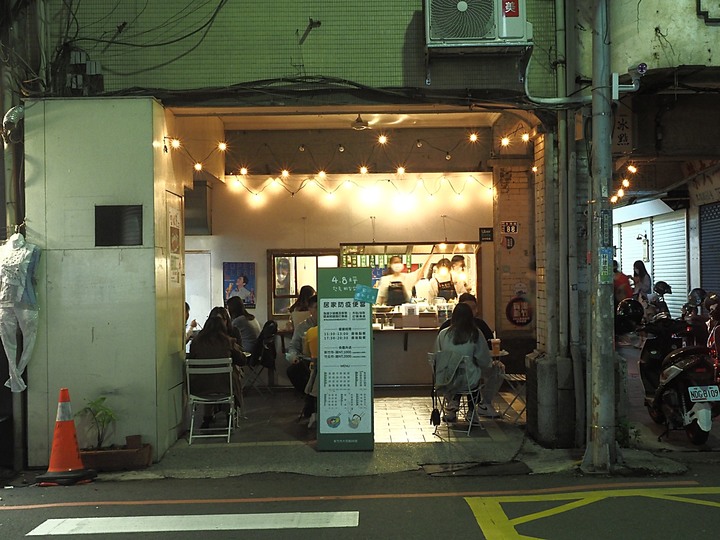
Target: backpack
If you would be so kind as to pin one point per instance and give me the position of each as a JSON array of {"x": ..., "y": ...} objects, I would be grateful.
[{"x": 264, "y": 351}]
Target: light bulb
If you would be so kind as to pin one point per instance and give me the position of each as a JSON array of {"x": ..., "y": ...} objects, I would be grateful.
[
  {"x": 382, "y": 139},
  {"x": 363, "y": 170},
  {"x": 285, "y": 173},
  {"x": 321, "y": 174},
  {"x": 243, "y": 171},
  {"x": 175, "y": 143},
  {"x": 222, "y": 146},
  {"x": 621, "y": 192},
  {"x": 198, "y": 166},
  {"x": 505, "y": 141},
  {"x": 525, "y": 137},
  {"x": 461, "y": 246},
  {"x": 614, "y": 199},
  {"x": 534, "y": 169},
  {"x": 632, "y": 169},
  {"x": 625, "y": 183},
  {"x": 473, "y": 137},
  {"x": 401, "y": 170},
  {"x": 443, "y": 245}
]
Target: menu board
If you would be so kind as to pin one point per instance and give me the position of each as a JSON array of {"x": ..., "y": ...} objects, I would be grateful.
[{"x": 345, "y": 390}]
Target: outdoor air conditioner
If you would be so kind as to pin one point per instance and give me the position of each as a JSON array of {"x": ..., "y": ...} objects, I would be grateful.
[{"x": 466, "y": 26}]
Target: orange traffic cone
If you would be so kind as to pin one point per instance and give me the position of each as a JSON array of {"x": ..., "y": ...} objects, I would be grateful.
[{"x": 66, "y": 466}]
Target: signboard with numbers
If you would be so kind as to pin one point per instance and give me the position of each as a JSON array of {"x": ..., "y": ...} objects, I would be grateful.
[{"x": 345, "y": 390}]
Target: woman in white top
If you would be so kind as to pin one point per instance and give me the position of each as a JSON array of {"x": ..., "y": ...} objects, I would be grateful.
[{"x": 396, "y": 287}]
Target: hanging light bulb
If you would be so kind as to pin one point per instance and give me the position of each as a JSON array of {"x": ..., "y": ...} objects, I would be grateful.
[
  {"x": 322, "y": 174},
  {"x": 534, "y": 169},
  {"x": 473, "y": 137},
  {"x": 632, "y": 169},
  {"x": 614, "y": 199},
  {"x": 625, "y": 183},
  {"x": 175, "y": 143},
  {"x": 222, "y": 146},
  {"x": 382, "y": 139},
  {"x": 621, "y": 192},
  {"x": 198, "y": 166},
  {"x": 243, "y": 171},
  {"x": 525, "y": 137},
  {"x": 505, "y": 141},
  {"x": 285, "y": 173},
  {"x": 363, "y": 170},
  {"x": 401, "y": 170}
]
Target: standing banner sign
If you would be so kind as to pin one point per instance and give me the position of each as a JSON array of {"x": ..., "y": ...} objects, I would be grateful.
[{"x": 345, "y": 390}]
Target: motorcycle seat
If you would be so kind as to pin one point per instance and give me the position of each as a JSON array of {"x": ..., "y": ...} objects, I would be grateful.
[{"x": 683, "y": 353}]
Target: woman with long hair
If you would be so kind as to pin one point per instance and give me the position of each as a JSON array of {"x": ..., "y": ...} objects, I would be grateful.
[
  {"x": 642, "y": 284},
  {"x": 244, "y": 322},
  {"x": 464, "y": 338},
  {"x": 299, "y": 310}
]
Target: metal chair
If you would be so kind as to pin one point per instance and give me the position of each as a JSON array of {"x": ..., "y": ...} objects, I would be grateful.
[
  {"x": 452, "y": 377},
  {"x": 210, "y": 383},
  {"x": 517, "y": 383}
]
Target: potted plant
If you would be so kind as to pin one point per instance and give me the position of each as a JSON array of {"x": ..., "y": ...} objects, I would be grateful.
[{"x": 101, "y": 457}]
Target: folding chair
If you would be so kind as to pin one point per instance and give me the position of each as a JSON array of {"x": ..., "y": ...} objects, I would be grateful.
[
  {"x": 454, "y": 374},
  {"x": 210, "y": 383},
  {"x": 262, "y": 357},
  {"x": 517, "y": 383}
]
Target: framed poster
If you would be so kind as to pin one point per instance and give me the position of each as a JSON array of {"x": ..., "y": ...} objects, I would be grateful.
[{"x": 239, "y": 280}]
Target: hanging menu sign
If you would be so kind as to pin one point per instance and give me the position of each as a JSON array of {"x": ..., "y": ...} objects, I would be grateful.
[{"x": 345, "y": 390}]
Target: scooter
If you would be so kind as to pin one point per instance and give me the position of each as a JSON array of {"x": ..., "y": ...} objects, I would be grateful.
[{"x": 681, "y": 383}]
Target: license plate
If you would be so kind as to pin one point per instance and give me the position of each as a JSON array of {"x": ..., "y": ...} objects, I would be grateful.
[{"x": 704, "y": 393}]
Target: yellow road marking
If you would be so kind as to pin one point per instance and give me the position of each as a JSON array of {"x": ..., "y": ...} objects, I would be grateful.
[{"x": 496, "y": 525}]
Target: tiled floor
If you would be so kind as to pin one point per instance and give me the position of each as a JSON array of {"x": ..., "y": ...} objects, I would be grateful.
[{"x": 407, "y": 420}]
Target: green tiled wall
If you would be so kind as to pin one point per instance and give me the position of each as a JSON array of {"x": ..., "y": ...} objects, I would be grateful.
[{"x": 378, "y": 43}]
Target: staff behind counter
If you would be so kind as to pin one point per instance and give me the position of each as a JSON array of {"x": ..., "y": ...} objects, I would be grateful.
[{"x": 395, "y": 288}]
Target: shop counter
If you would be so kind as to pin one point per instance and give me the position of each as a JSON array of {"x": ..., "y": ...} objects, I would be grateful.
[{"x": 400, "y": 356}]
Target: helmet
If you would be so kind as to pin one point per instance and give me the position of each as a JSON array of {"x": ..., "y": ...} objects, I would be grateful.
[
  {"x": 710, "y": 299},
  {"x": 628, "y": 315},
  {"x": 696, "y": 297},
  {"x": 715, "y": 312},
  {"x": 662, "y": 288}
]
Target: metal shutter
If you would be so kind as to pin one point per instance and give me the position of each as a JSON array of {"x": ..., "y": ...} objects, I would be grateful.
[
  {"x": 670, "y": 257},
  {"x": 710, "y": 247}
]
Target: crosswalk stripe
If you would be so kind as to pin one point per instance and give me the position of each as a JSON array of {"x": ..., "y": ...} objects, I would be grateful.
[{"x": 205, "y": 522}]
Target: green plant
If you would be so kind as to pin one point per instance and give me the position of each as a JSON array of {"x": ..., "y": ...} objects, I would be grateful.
[
  {"x": 102, "y": 417},
  {"x": 626, "y": 434}
]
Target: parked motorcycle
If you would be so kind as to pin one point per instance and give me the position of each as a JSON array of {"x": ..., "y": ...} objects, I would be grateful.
[{"x": 680, "y": 382}]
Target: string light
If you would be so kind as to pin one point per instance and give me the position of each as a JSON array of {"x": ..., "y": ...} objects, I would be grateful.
[
  {"x": 222, "y": 146},
  {"x": 363, "y": 170},
  {"x": 534, "y": 169},
  {"x": 322, "y": 174},
  {"x": 625, "y": 183},
  {"x": 175, "y": 143},
  {"x": 243, "y": 171},
  {"x": 505, "y": 141},
  {"x": 632, "y": 169},
  {"x": 525, "y": 137},
  {"x": 382, "y": 139},
  {"x": 401, "y": 170},
  {"x": 198, "y": 166},
  {"x": 614, "y": 199},
  {"x": 285, "y": 173},
  {"x": 473, "y": 137}
]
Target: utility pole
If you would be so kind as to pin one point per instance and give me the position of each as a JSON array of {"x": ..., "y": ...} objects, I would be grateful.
[{"x": 601, "y": 452}]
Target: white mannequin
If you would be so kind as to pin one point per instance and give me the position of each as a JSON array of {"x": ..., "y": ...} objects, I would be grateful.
[{"x": 18, "y": 304}]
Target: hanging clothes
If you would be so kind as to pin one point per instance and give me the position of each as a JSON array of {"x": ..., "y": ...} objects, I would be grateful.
[{"x": 18, "y": 305}]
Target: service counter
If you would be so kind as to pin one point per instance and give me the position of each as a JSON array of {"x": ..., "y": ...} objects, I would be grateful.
[{"x": 400, "y": 356}]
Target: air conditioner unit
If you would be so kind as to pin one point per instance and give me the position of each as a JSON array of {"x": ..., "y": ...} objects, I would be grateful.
[{"x": 466, "y": 26}]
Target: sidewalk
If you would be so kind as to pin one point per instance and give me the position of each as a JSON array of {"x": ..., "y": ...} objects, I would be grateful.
[{"x": 271, "y": 438}]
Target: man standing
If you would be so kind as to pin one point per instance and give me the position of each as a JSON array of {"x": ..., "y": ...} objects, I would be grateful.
[{"x": 299, "y": 369}]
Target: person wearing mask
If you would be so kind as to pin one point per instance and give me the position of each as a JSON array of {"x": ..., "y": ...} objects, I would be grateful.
[
  {"x": 442, "y": 284},
  {"x": 642, "y": 284},
  {"x": 395, "y": 287},
  {"x": 464, "y": 338},
  {"x": 282, "y": 285},
  {"x": 297, "y": 355},
  {"x": 244, "y": 322},
  {"x": 459, "y": 275},
  {"x": 621, "y": 284}
]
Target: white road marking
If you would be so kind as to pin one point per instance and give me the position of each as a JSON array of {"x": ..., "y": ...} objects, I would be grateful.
[{"x": 205, "y": 522}]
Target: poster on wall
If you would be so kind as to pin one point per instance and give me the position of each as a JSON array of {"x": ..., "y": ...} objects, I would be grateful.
[
  {"x": 345, "y": 389},
  {"x": 239, "y": 280},
  {"x": 174, "y": 212}
]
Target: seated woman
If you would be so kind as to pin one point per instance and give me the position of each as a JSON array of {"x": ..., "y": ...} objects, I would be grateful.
[
  {"x": 464, "y": 338},
  {"x": 244, "y": 322},
  {"x": 213, "y": 341},
  {"x": 221, "y": 311},
  {"x": 300, "y": 310}
]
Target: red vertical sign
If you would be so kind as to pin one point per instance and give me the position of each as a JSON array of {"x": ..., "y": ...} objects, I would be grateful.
[{"x": 511, "y": 8}]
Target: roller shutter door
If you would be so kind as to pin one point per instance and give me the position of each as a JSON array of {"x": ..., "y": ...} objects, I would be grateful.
[
  {"x": 710, "y": 247},
  {"x": 670, "y": 257}
]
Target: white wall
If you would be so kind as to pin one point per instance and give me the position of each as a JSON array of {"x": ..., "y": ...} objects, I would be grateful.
[
  {"x": 245, "y": 226},
  {"x": 110, "y": 323}
]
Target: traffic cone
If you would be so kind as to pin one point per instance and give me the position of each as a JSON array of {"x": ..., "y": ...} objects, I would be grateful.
[{"x": 66, "y": 466}]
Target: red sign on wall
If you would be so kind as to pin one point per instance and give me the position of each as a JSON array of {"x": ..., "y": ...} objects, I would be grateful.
[{"x": 511, "y": 8}]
